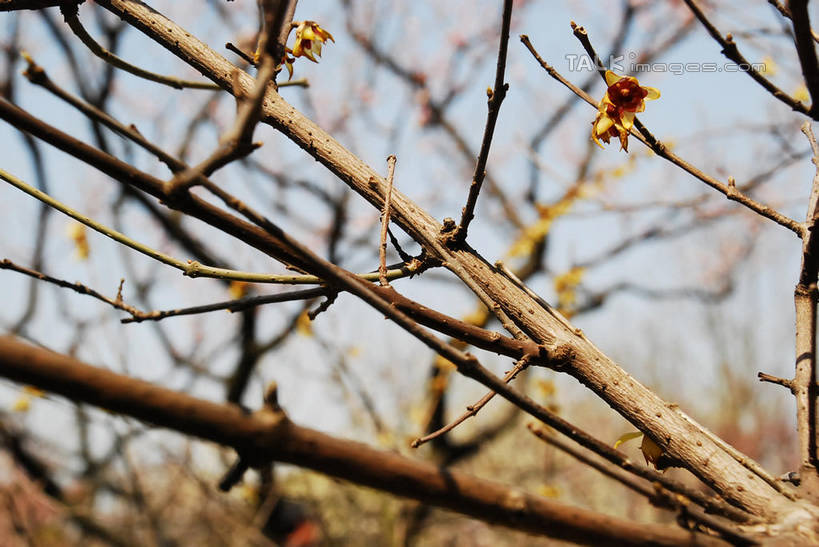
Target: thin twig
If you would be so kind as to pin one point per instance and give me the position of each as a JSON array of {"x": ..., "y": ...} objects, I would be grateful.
[
  {"x": 237, "y": 142},
  {"x": 230, "y": 305},
  {"x": 806, "y": 50},
  {"x": 730, "y": 50},
  {"x": 472, "y": 409},
  {"x": 627, "y": 479},
  {"x": 37, "y": 75},
  {"x": 401, "y": 271},
  {"x": 786, "y": 13},
  {"x": 189, "y": 268},
  {"x": 301, "y": 82},
  {"x": 245, "y": 57},
  {"x": 385, "y": 222},
  {"x": 644, "y": 136},
  {"x": 496, "y": 97},
  {"x": 658, "y": 495},
  {"x": 770, "y": 378},
  {"x": 78, "y": 287},
  {"x": 70, "y": 12}
]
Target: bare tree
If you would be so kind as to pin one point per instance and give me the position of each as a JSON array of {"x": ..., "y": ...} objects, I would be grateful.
[{"x": 237, "y": 207}]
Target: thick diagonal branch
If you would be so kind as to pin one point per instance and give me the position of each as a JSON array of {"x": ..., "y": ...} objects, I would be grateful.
[{"x": 679, "y": 439}]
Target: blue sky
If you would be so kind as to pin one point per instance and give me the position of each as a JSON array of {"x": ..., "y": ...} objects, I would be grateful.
[{"x": 714, "y": 120}]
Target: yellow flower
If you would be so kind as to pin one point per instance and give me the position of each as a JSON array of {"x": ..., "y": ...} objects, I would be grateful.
[
  {"x": 22, "y": 404},
  {"x": 76, "y": 232},
  {"x": 566, "y": 287},
  {"x": 652, "y": 453},
  {"x": 238, "y": 289},
  {"x": 549, "y": 491},
  {"x": 769, "y": 67},
  {"x": 309, "y": 39},
  {"x": 615, "y": 114},
  {"x": 304, "y": 324},
  {"x": 801, "y": 94}
]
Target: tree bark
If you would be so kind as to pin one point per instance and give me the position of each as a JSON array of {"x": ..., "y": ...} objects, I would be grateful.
[
  {"x": 679, "y": 438},
  {"x": 268, "y": 435}
]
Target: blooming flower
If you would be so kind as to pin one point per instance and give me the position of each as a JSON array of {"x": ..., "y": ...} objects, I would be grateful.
[
  {"x": 615, "y": 113},
  {"x": 309, "y": 38}
]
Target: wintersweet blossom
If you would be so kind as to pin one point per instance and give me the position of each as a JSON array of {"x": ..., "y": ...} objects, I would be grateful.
[
  {"x": 615, "y": 113},
  {"x": 309, "y": 39}
]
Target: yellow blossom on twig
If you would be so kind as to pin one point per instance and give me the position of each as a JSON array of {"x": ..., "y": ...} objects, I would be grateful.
[
  {"x": 651, "y": 451},
  {"x": 309, "y": 39},
  {"x": 615, "y": 113}
]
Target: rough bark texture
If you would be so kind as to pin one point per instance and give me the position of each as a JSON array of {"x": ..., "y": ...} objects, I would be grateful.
[
  {"x": 678, "y": 438},
  {"x": 269, "y": 434}
]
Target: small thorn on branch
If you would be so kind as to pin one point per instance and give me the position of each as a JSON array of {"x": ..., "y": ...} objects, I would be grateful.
[{"x": 247, "y": 58}]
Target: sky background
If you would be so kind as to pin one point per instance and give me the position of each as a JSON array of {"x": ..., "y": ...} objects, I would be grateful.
[{"x": 721, "y": 122}]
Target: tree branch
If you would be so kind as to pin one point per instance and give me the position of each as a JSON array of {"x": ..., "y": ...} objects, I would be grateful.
[
  {"x": 806, "y": 50},
  {"x": 496, "y": 97},
  {"x": 14, "y": 5},
  {"x": 805, "y": 301},
  {"x": 268, "y": 435},
  {"x": 730, "y": 50},
  {"x": 681, "y": 440}
]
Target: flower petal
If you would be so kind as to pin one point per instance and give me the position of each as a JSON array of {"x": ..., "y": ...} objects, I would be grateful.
[
  {"x": 627, "y": 120},
  {"x": 612, "y": 78},
  {"x": 653, "y": 93},
  {"x": 603, "y": 124},
  {"x": 627, "y": 437}
]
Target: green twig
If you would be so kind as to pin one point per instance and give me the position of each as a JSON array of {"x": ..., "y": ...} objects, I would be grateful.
[{"x": 190, "y": 268}]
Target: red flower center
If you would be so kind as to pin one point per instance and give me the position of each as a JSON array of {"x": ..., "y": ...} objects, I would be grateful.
[{"x": 627, "y": 94}]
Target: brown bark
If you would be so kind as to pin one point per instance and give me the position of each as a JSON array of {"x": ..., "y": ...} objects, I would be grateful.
[
  {"x": 803, "y": 385},
  {"x": 269, "y": 435},
  {"x": 679, "y": 438},
  {"x": 14, "y": 5}
]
